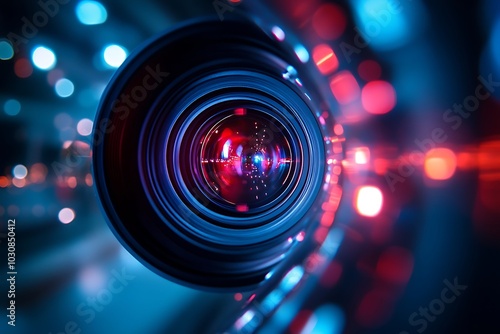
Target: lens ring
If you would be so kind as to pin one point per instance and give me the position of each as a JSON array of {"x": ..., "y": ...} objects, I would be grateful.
[
  {"x": 273, "y": 223},
  {"x": 140, "y": 153}
]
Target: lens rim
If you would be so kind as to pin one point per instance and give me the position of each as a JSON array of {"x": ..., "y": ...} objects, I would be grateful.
[{"x": 193, "y": 259}]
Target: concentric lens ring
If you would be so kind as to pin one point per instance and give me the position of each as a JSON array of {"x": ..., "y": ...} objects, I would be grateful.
[{"x": 179, "y": 194}]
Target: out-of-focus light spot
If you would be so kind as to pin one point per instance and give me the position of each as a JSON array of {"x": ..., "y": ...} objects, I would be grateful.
[
  {"x": 114, "y": 55},
  {"x": 291, "y": 279},
  {"x": 383, "y": 23},
  {"x": 66, "y": 215},
  {"x": 378, "y": 97},
  {"x": 361, "y": 155},
  {"x": 91, "y": 12},
  {"x": 19, "y": 183},
  {"x": 238, "y": 297},
  {"x": 369, "y": 201},
  {"x": 64, "y": 87},
  {"x": 325, "y": 59},
  {"x": 278, "y": 33},
  {"x": 440, "y": 164},
  {"x": 338, "y": 129},
  {"x": 71, "y": 182},
  {"x": 300, "y": 320},
  {"x": 88, "y": 180},
  {"x": 54, "y": 75},
  {"x": 6, "y": 50},
  {"x": 84, "y": 127},
  {"x": 344, "y": 87},
  {"x": 37, "y": 173},
  {"x": 12, "y": 107},
  {"x": 19, "y": 171},
  {"x": 301, "y": 53},
  {"x": 92, "y": 279},
  {"x": 327, "y": 318},
  {"x": 248, "y": 321},
  {"x": 4, "y": 182},
  {"x": 329, "y": 21},
  {"x": 44, "y": 58},
  {"x": 395, "y": 265},
  {"x": 370, "y": 70},
  {"x": 300, "y": 236},
  {"x": 23, "y": 68}
]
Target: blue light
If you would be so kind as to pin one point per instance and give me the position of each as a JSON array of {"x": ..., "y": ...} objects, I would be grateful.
[
  {"x": 19, "y": 171},
  {"x": 301, "y": 53},
  {"x": 64, "y": 88},
  {"x": 383, "y": 24},
  {"x": 291, "y": 279},
  {"x": 91, "y": 12},
  {"x": 327, "y": 319},
  {"x": 12, "y": 107},
  {"x": 6, "y": 50},
  {"x": 114, "y": 55},
  {"x": 44, "y": 58},
  {"x": 494, "y": 44}
]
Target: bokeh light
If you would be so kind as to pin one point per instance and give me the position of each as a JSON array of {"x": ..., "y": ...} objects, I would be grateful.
[
  {"x": 23, "y": 68},
  {"x": 325, "y": 59},
  {"x": 114, "y": 55},
  {"x": 91, "y": 12},
  {"x": 344, "y": 87},
  {"x": 19, "y": 171},
  {"x": 278, "y": 33},
  {"x": 440, "y": 164},
  {"x": 369, "y": 201},
  {"x": 378, "y": 97},
  {"x": 329, "y": 21},
  {"x": 12, "y": 107},
  {"x": 64, "y": 87},
  {"x": 84, "y": 127},
  {"x": 66, "y": 215},
  {"x": 44, "y": 58},
  {"x": 6, "y": 50},
  {"x": 301, "y": 53}
]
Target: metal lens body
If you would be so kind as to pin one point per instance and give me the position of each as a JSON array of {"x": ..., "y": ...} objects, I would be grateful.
[{"x": 209, "y": 156}]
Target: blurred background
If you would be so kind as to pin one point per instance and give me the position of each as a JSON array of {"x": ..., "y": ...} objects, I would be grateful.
[{"x": 414, "y": 246}]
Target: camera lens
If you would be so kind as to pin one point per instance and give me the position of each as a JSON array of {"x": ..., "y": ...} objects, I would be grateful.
[
  {"x": 210, "y": 155},
  {"x": 240, "y": 161}
]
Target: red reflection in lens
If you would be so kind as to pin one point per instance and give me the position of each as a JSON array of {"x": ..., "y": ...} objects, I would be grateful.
[
  {"x": 246, "y": 159},
  {"x": 329, "y": 21}
]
